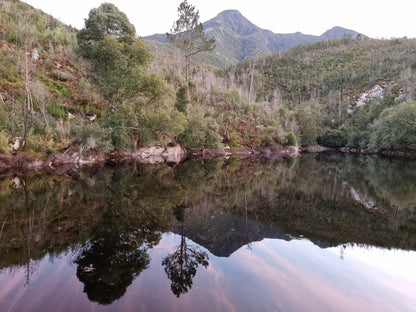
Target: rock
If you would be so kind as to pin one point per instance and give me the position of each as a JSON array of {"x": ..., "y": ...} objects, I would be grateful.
[
  {"x": 35, "y": 54},
  {"x": 90, "y": 116},
  {"x": 276, "y": 151},
  {"x": 315, "y": 149},
  {"x": 149, "y": 155},
  {"x": 376, "y": 92},
  {"x": 16, "y": 144},
  {"x": 173, "y": 154},
  {"x": 57, "y": 159}
]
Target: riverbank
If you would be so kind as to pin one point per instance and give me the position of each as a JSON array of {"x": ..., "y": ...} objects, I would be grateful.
[{"x": 60, "y": 162}]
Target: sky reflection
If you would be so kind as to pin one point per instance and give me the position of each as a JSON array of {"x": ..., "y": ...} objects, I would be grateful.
[{"x": 271, "y": 275}]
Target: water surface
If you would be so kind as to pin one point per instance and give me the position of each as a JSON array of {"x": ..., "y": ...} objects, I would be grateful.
[{"x": 323, "y": 232}]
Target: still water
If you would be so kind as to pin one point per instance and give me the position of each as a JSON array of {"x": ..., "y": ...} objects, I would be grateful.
[{"x": 322, "y": 232}]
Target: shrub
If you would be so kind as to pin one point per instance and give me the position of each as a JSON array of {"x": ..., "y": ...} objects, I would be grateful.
[
  {"x": 181, "y": 102},
  {"x": 201, "y": 131},
  {"x": 395, "y": 128},
  {"x": 58, "y": 111},
  {"x": 93, "y": 137},
  {"x": 333, "y": 138},
  {"x": 291, "y": 139},
  {"x": 4, "y": 142}
]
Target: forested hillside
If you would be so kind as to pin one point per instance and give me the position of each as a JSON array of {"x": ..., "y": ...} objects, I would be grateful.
[
  {"x": 353, "y": 87},
  {"x": 41, "y": 79},
  {"x": 102, "y": 88}
]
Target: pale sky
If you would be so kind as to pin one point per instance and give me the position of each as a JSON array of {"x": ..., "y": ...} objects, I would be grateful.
[{"x": 374, "y": 18}]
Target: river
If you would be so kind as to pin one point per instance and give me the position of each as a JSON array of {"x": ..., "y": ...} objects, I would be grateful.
[{"x": 320, "y": 232}]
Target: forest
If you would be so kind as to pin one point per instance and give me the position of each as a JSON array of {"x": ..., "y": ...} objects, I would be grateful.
[{"x": 102, "y": 88}]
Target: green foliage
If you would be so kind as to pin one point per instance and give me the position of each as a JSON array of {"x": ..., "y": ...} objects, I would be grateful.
[
  {"x": 61, "y": 36},
  {"x": 119, "y": 133},
  {"x": 4, "y": 142},
  {"x": 334, "y": 138},
  {"x": 160, "y": 125},
  {"x": 181, "y": 101},
  {"x": 101, "y": 22},
  {"x": 201, "y": 130},
  {"x": 58, "y": 111},
  {"x": 117, "y": 57},
  {"x": 187, "y": 32},
  {"x": 93, "y": 137},
  {"x": 188, "y": 35},
  {"x": 291, "y": 139},
  {"x": 310, "y": 119},
  {"x": 395, "y": 128},
  {"x": 358, "y": 123},
  {"x": 337, "y": 67}
]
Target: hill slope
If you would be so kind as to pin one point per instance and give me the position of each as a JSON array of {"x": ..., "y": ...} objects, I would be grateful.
[{"x": 238, "y": 39}]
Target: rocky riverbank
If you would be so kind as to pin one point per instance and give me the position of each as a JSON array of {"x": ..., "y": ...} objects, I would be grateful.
[{"x": 63, "y": 161}]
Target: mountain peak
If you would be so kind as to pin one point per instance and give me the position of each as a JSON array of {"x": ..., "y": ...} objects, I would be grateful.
[
  {"x": 338, "y": 32},
  {"x": 233, "y": 20}
]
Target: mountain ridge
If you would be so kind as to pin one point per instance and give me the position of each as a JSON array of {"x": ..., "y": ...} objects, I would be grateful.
[{"x": 238, "y": 39}]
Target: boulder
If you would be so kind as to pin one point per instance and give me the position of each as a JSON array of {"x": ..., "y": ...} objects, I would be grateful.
[
  {"x": 149, "y": 155},
  {"x": 173, "y": 154}
]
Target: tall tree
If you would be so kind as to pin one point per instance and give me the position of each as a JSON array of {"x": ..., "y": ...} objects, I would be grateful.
[
  {"x": 188, "y": 34},
  {"x": 118, "y": 59}
]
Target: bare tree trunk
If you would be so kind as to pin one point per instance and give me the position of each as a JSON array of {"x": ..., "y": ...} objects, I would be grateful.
[
  {"x": 256, "y": 52},
  {"x": 28, "y": 108},
  {"x": 187, "y": 77}
]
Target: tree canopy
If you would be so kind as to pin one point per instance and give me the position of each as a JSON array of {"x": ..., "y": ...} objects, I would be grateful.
[
  {"x": 188, "y": 34},
  {"x": 118, "y": 59}
]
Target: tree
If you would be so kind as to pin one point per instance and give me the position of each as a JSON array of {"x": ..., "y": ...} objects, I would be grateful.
[
  {"x": 118, "y": 59},
  {"x": 188, "y": 35},
  {"x": 181, "y": 266},
  {"x": 310, "y": 118},
  {"x": 181, "y": 101},
  {"x": 334, "y": 138},
  {"x": 395, "y": 128}
]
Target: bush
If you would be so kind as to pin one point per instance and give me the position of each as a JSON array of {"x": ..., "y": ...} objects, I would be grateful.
[
  {"x": 93, "y": 137},
  {"x": 181, "y": 101},
  {"x": 4, "y": 142},
  {"x": 333, "y": 138},
  {"x": 201, "y": 131},
  {"x": 291, "y": 139},
  {"x": 395, "y": 128},
  {"x": 58, "y": 111}
]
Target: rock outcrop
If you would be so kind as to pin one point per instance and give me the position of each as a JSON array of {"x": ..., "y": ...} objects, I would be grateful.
[{"x": 158, "y": 155}]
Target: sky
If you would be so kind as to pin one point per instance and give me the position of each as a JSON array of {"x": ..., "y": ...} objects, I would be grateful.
[{"x": 374, "y": 18}]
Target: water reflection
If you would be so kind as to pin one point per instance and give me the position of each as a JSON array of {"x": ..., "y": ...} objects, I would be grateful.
[
  {"x": 112, "y": 222},
  {"x": 110, "y": 262},
  {"x": 181, "y": 265}
]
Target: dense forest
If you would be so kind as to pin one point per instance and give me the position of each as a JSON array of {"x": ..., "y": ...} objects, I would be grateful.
[{"x": 103, "y": 88}]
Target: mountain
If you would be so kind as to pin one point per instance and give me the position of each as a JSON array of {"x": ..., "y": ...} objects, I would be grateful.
[{"x": 238, "y": 39}]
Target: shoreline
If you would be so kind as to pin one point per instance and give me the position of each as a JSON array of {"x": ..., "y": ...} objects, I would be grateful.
[{"x": 59, "y": 163}]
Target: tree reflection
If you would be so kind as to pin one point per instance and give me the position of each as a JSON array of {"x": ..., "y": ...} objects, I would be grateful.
[
  {"x": 181, "y": 266},
  {"x": 109, "y": 266}
]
